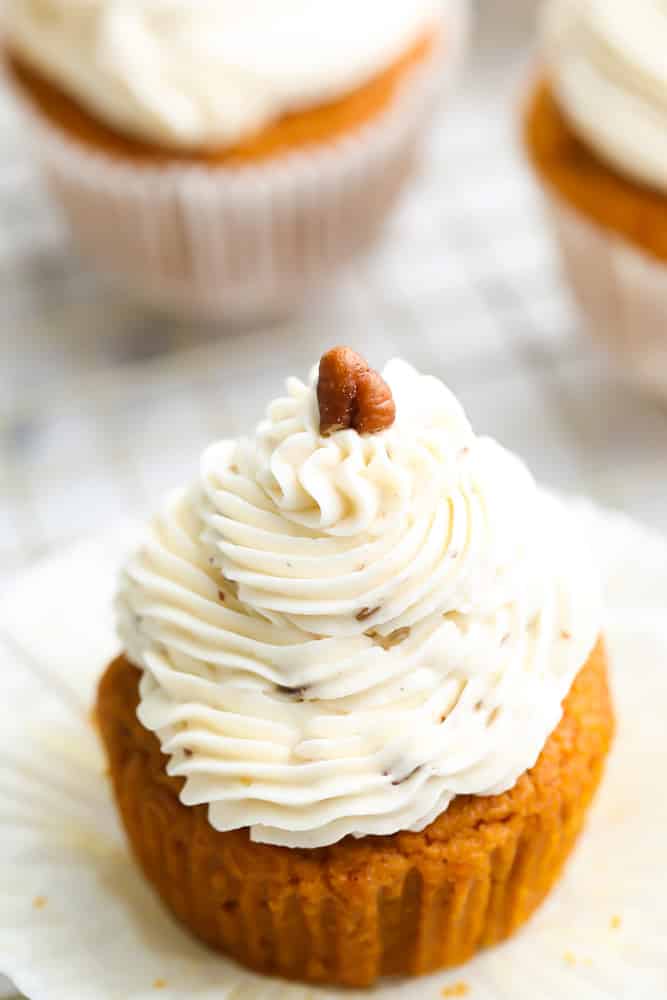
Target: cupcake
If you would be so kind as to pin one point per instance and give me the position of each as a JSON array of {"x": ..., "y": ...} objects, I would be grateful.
[
  {"x": 362, "y": 707},
  {"x": 225, "y": 158},
  {"x": 596, "y": 132}
]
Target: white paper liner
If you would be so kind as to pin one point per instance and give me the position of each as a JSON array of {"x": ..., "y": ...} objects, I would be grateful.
[
  {"x": 6, "y": 988},
  {"x": 249, "y": 242},
  {"x": 78, "y": 921},
  {"x": 622, "y": 293}
]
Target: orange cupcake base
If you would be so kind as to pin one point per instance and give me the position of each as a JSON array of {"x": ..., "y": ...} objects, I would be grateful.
[
  {"x": 290, "y": 132},
  {"x": 585, "y": 183},
  {"x": 351, "y": 913}
]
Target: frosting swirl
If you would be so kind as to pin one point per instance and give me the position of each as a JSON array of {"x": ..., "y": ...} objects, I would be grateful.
[
  {"x": 607, "y": 65},
  {"x": 340, "y": 634},
  {"x": 200, "y": 73}
]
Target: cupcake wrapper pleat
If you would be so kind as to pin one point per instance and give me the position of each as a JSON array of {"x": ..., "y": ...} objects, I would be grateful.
[
  {"x": 253, "y": 241},
  {"x": 621, "y": 291},
  {"x": 350, "y": 914},
  {"x": 423, "y": 918}
]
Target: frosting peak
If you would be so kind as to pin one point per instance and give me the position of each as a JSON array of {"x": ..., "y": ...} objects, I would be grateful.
[
  {"x": 198, "y": 73},
  {"x": 607, "y": 65},
  {"x": 339, "y": 634}
]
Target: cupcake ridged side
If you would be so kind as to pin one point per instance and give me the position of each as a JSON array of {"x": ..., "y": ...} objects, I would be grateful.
[{"x": 361, "y": 909}]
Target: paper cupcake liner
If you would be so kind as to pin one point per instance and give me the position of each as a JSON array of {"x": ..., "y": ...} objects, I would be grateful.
[
  {"x": 6, "y": 989},
  {"x": 77, "y": 918},
  {"x": 241, "y": 243},
  {"x": 382, "y": 908},
  {"x": 621, "y": 291}
]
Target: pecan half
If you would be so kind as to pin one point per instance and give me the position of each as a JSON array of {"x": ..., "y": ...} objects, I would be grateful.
[
  {"x": 350, "y": 394},
  {"x": 376, "y": 409}
]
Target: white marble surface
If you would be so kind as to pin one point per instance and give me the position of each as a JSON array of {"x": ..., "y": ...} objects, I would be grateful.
[{"x": 103, "y": 405}]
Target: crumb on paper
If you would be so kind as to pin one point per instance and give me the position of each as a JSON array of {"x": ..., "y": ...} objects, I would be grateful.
[
  {"x": 570, "y": 958},
  {"x": 39, "y": 902},
  {"x": 615, "y": 922},
  {"x": 459, "y": 989},
  {"x": 159, "y": 984}
]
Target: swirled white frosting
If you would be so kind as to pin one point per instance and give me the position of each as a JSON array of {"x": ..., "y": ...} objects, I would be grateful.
[
  {"x": 608, "y": 67},
  {"x": 199, "y": 73},
  {"x": 339, "y": 635}
]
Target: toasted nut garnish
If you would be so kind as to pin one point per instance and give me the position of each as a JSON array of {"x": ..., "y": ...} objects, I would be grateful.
[
  {"x": 340, "y": 369},
  {"x": 350, "y": 394},
  {"x": 376, "y": 409}
]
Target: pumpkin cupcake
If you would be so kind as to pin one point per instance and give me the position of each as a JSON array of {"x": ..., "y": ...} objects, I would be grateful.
[
  {"x": 596, "y": 132},
  {"x": 363, "y": 705},
  {"x": 225, "y": 158}
]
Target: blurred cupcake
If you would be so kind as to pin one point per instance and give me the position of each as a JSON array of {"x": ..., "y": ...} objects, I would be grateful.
[
  {"x": 596, "y": 132},
  {"x": 224, "y": 158}
]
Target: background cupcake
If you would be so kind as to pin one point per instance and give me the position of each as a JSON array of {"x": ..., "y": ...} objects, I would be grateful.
[
  {"x": 596, "y": 131},
  {"x": 226, "y": 157}
]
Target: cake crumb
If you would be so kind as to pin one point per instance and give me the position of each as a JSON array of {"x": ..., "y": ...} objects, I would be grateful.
[
  {"x": 493, "y": 716},
  {"x": 366, "y": 613},
  {"x": 388, "y": 642},
  {"x": 39, "y": 902},
  {"x": 570, "y": 958},
  {"x": 615, "y": 922},
  {"x": 459, "y": 989},
  {"x": 159, "y": 984}
]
